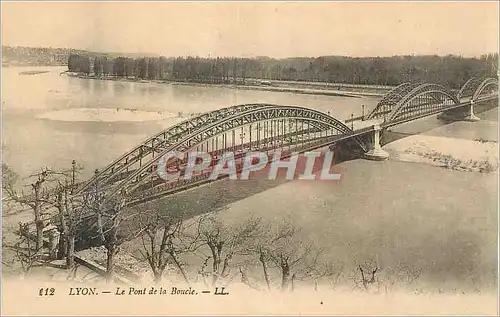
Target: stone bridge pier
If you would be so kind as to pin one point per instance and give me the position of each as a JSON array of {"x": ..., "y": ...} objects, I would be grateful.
[
  {"x": 471, "y": 116},
  {"x": 375, "y": 151}
]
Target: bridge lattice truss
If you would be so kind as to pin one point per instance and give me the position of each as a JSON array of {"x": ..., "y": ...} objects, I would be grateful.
[
  {"x": 477, "y": 86},
  {"x": 412, "y": 100},
  {"x": 255, "y": 127}
]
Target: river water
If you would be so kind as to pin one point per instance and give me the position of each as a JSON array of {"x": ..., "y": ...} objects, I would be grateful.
[
  {"x": 51, "y": 119},
  {"x": 394, "y": 212}
]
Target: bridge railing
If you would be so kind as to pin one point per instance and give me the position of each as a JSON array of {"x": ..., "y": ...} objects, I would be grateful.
[
  {"x": 354, "y": 119},
  {"x": 183, "y": 184}
]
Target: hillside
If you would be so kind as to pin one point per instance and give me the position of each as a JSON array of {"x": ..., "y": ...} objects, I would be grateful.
[{"x": 49, "y": 56}]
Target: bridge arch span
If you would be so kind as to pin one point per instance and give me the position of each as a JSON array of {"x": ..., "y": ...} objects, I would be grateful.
[
  {"x": 386, "y": 105},
  {"x": 486, "y": 84},
  {"x": 239, "y": 120},
  {"x": 154, "y": 143},
  {"x": 470, "y": 86},
  {"x": 422, "y": 100}
]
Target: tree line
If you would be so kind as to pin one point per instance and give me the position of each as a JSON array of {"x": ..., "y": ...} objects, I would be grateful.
[{"x": 451, "y": 71}]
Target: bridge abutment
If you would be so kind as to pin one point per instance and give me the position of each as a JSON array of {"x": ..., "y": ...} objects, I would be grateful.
[
  {"x": 471, "y": 116},
  {"x": 376, "y": 153}
]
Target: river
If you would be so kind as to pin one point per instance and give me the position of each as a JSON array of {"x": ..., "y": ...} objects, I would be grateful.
[
  {"x": 51, "y": 119},
  {"x": 395, "y": 212}
]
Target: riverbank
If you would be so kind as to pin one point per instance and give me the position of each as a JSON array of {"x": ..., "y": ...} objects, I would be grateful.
[
  {"x": 450, "y": 153},
  {"x": 282, "y": 87},
  {"x": 460, "y": 145}
]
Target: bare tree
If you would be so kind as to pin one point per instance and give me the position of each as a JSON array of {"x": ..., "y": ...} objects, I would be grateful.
[
  {"x": 161, "y": 243},
  {"x": 116, "y": 225},
  {"x": 245, "y": 280},
  {"x": 224, "y": 242},
  {"x": 37, "y": 201},
  {"x": 69, "y": 216},
  {"x": 263, "y": 258},
  {"x": 367, "y": 272},
  {"x": 333, "y": 279},
  {"x": 367, "y": 279},
  {"x": 203, "y": 273},
  {"x": 9, "y": 181},
  {"x": 51, "y": 189},
  {"x": 26, "y": 253},
  {"x": 324, "y": 270},
  {"x": 295, "y": 259},
  {"x": 261, "y": 248},
  {"x": 69, "y": 213},
  {"x": 402, "y": 274}
]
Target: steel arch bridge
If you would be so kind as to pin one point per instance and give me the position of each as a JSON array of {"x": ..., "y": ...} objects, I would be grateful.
[
  {"x": 421, "y": 100},
  {"x": 476, "y": 89},
  {"x": 266, "y": 128},
  {"x": 412, "y": 100},
  {"x": 263, "y": 127},
  {"x": 409, "y": 99},
  {"x": 469, "y": 88},
  {"x": 152, "y": 145},
  {"x": 487, "y": 87},
  {"x": 386, "y": 105}
]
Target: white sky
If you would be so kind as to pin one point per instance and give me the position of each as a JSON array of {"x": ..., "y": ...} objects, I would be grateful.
[{"x": 252, "y": 29}]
